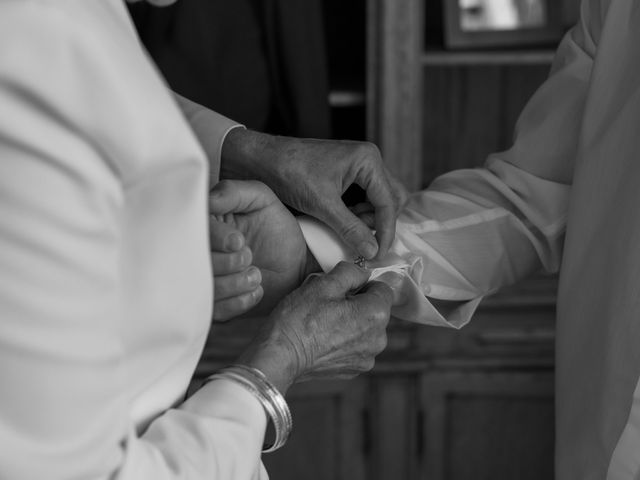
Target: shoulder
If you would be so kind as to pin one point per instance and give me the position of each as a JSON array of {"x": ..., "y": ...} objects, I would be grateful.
[
  {"x": 79, "y": 64},
  {"x": 60, "y": 55}
]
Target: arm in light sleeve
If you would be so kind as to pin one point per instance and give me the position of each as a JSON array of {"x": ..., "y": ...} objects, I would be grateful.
[
  {"x": 64, "y": 408},
  {"x": 210, "y": 128},
  {"x": 474, "y": 231}
]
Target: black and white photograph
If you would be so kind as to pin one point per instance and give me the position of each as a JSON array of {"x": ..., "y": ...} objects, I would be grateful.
[{"x": 319, "y": 240}]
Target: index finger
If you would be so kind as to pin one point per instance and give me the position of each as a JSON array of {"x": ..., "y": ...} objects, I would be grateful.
[
  {"x": 373, "y": 179},
  {"x": 343, "y": 279}
]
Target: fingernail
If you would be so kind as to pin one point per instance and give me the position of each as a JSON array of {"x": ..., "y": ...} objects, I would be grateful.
[
  {"x": 234, "y": 242},
  {"x": 368, "y": 249},
  {"x": 255, "y": 277}
]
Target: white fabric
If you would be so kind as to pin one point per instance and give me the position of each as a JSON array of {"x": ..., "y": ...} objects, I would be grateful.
[
  {"x": 329, "y": 250},
  {"x": 564, "y": 197},
  {"x": 105, "y": 281}
]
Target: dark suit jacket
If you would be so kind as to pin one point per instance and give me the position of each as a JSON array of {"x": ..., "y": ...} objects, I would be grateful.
[{"x": 260, "y": 62}]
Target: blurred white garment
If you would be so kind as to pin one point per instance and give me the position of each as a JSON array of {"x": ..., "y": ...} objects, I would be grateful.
[{"x": 105, "y": 280}]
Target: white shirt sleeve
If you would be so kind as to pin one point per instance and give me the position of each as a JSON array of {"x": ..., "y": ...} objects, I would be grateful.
[
  {"x": 474, "y": 231},
  {"x": 210, "y": 128}
]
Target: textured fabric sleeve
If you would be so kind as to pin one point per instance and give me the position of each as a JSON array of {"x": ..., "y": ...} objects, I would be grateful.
[
  {"x": 474, "y": 231},
  {"x": 63, "y": 409}
]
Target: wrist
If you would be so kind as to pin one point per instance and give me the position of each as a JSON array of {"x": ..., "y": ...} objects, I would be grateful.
[
  {"x": 275, "y": 359},
  {"x": 244, "y": 155}
]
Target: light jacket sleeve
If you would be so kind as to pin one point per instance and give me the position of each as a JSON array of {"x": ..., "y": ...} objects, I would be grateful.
[
  {"x": 64, "y": 408},
  {"x": 210, "y": 128}
]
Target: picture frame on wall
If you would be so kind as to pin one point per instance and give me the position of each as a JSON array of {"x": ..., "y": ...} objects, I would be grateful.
[{"x": 471, "y": 24}]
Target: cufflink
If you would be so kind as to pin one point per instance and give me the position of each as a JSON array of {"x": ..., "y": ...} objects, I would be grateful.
[{"x": 360, "y": 261}]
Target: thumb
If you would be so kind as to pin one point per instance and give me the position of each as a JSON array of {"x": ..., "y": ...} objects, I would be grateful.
[
  {"x": 395, "y": 281},
  {"x": 239, "y": 196},
  {"x": 353, "y": 231},
  {"x": 344, "y": 278}
]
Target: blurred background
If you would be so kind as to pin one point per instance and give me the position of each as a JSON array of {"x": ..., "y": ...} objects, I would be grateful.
[{"x": 438, "y": 85}]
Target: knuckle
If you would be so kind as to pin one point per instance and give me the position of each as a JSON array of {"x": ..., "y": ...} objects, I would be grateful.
[
  {"x": 223, "y": 186},
  {"x": 239, "y": 283},
  {"x": 370, "y": 150},
  {"x": 244, "y": 302},
  {"x": 321, "y": 284},
  {"x": 380, "y": 317},
  {"x": 262, "y": 187},
  {"x": 381, "y": 342},
  {"x": 232, "y": 262},
  {"x": 350, "y": 229},
  {"x": 368, "y": 364},
  {"x": 341, "y": 268},
  {"x": 237, "y": 261}
]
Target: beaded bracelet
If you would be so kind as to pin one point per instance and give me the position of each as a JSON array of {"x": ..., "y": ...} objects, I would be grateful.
[{"x": 267, "y": 394}]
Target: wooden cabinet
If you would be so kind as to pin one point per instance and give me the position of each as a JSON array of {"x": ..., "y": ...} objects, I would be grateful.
[{"x": 440, "y": 404}]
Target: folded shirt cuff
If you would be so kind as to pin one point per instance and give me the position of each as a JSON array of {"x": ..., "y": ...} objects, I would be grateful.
[{"x": 329, "y": 250}]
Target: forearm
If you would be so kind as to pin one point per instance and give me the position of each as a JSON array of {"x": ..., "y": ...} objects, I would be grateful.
[{"x": 475, "y": 233}]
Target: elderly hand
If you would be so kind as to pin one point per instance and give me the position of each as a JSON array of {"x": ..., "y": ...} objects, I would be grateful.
[
  {"x": 324, "y": 329},
  {"x": 311, "y": 176},
  {"x": 257, "y": 248}
]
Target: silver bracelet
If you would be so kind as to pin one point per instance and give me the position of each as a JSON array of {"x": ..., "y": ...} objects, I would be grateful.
[{"x": 267, "y": 394}]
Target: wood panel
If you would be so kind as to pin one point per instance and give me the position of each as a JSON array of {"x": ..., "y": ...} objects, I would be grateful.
[
  {"x": 471, "y": 112},
  {"x": 395, "y": 42},
  {"x": 328, "y": 439},
  {"x": 488, "y": 426},
  {"x": 394, "y": 426}
]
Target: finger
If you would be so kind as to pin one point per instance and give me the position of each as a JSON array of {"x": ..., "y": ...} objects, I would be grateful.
[
  {"x": 379, "y": 290},
  {"x": 232, "y": 307},
  {"x": 227, "y": 286},
  {"x": 380, "y": 195},
  {"x": 223, "y": 237},
  {"x": 395, "y": 281},
  {"x": 385, "y": 221},
  {"x": 227, "y": 263},
  {"x": 373, "y": 179},
  {"x": 236, "y": 196},
  {"x": 399, "y": 191},
  {"x": 343, "y": 279},
  {"x": 350, "y": 228}
]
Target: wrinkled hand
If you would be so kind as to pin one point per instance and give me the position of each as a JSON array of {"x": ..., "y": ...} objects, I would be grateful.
[
  {"x": 258, "y": 251},
  {"x": 311, "y": 176},
  {"x": 323, "y": 329}
]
